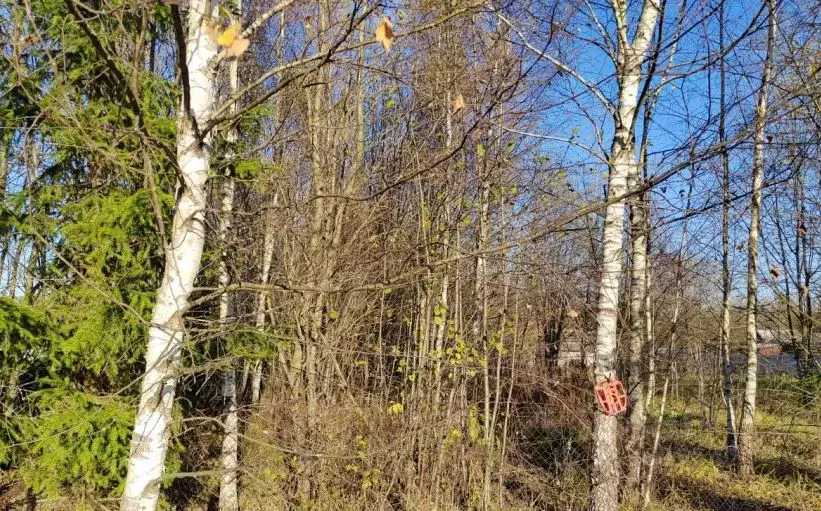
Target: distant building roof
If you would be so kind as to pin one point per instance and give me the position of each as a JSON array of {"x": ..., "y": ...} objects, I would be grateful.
[{"x": 767, "y": 336}]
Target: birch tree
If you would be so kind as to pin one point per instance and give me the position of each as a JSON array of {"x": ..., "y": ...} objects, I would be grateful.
[
  {"x": 228, "y": 499},
  {"x": 629, "y": 61},
  {"x": 726, "y": 277},
  {"x": 199, "y": 53},
  {"x": 640, "y": 278},
  {"x": 746, "y": 437},
  {"x": 183, "y": 255}
]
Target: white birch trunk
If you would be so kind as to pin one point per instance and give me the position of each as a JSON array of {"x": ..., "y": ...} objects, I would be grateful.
[
  {"x": 256, "y": 382},
  {"x": 259, "y": 321},
  {"x": 747, "y": 431},
  {"x": 726, "y": 372},
  {"x": 650, "y": 342},
  {"x": 229, "y": 456},
  {"x": 648, "y": 482},
  {"x": 149, "y": 443},
  {"x": 605, "y": 490}
]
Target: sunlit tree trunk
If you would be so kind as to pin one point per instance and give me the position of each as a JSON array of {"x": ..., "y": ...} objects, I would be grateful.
[
  {"x": 230, "y": 441},
  {"x": 746, "y": 435},
  {"x": 802, "y": 279},
  {"x": 671, "y": 347},
  {"x": 638, "y": 324},
  {"x": 480, "y": 323},
  {"x": 648, "y": 481},
  {"x": 5, "y": 148},
  {"x": 150, "y": 439},
  {"x": 605, "y": 495},
  {"x": 229, "y": 458},
  {"x": 650, "y": 343},
  {"x": 726, "y": 280}
]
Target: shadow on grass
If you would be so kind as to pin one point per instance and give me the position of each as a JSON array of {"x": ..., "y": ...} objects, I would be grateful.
[
  {"x": 783, "y": 468},
  {"x": 787, "y": 470},
  {"x": 708, "y": 499},
  {"x": 716, "y": 493},
  {"x": 705, "y": 496},
  {"x": 690, "y": 448}
]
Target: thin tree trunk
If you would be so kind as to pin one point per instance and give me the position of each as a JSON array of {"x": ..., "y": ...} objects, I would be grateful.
[
  {"x": 480, "y": 324},
  {"x": 746, "y": 433},
  {"x": 726, "y": 279},
  {"x": 5, "y": 237},
  {"x": 5, "y": 148},
  {"x": 443, "y": 316},
  {"x": 506, "y": 422},
  {"x": 796, "y": 344},
  {"x": 149, "y": 443},
  {"x": 323, "y": 218},
  {"x": 648, "y": 481},
  {"x": 802, "y": 348},
  {"x": 651, "y": 349},
  {"x": 265, "y": 271},
  {"x": 671, "y": 347},
  {"x": 808, "y": 326},
  {"x": 229, "y": 457},
  {"x": 638, "y": 319},
  {"x": 14, "y": 266},
  {"x": 19, "y": 260}
]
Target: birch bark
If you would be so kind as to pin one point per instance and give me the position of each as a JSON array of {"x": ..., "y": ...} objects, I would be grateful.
[
  {"x": 229, "y": 458},
  {"x": 631, "y": 56},
  {"x": 183, "y": 255},
  {"x": 726, "y": 279},
  {"x": 747, "y": 431},
  {"x": 638, "y": 326}
]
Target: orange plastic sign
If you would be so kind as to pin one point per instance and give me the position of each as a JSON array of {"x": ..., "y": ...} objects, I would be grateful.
[{"x": 611, "y": 397}]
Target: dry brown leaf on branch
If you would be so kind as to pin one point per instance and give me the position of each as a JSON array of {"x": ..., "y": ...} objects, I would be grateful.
[
  {"x": 458, "y": 103},
  {"x": 572, "y": 313},
  {"x": 211, "y": 32},
  {"x": 775, "y": 272},
  {"x": 238, "y": 47},
  {"x": 384, "y": 33}
]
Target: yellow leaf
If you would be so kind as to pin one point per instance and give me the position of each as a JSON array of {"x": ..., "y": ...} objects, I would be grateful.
[
  {"x": 238, "y": 47},
  {"x": 384, "y": 33},
  {"x": 227, "y": 38}
]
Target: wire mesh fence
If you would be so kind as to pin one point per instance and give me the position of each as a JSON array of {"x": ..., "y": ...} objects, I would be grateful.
[{"x": 366, "y": 449}]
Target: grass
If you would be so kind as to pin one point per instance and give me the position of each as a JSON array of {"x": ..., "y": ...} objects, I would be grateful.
[
  {"x": 547, "y": 465},
  {"x": 694, "y": 473}
]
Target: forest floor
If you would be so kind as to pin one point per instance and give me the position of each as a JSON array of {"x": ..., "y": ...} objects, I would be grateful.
[{"x": 548, "y": 463}]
